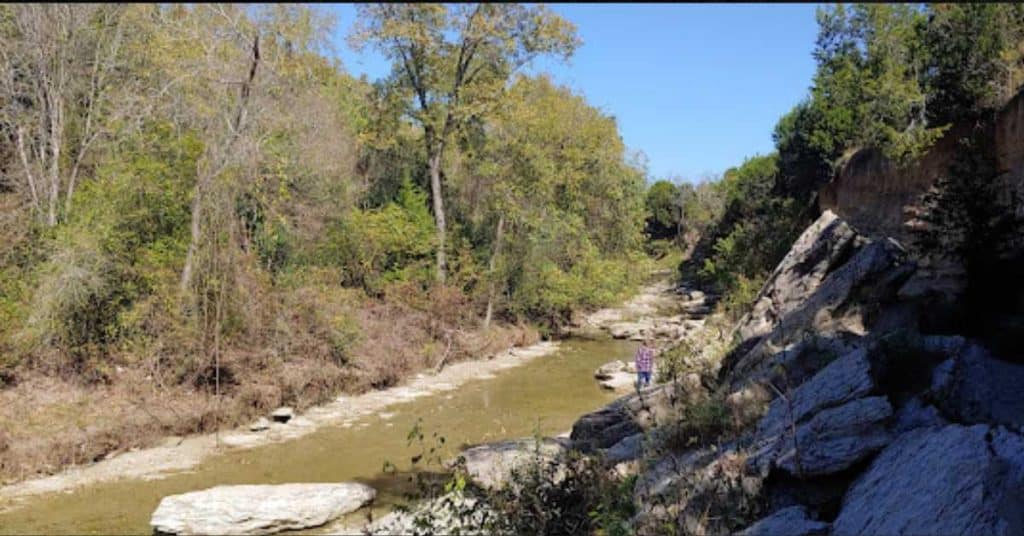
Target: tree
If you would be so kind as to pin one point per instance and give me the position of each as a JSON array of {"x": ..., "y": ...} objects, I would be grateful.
[
  {"x": 976, "y": 57},
  {"x": 451, "y": 65},
  {"x": 548, "y": 182},
  {"x": 58, "y": 64},
  {"x": 663, "y": 209},
  {"x": 868, "y": 89}
]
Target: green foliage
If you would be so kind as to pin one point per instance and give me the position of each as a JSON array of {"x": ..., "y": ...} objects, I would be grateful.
[
  {"x": 124, "y": 239},
  {"x": 553, "y": 169},
  {"x": 390, "y": 243},
  {"x": 976, "y": 52},
  {"x": 663, "y": 210},
  {"x": 753, "y": 235},
  {"x": 868, "y": 90}
]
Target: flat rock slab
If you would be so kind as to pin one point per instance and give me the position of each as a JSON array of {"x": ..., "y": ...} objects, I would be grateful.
[
  {"x": 606, "y": 371},
  {"x": 491, "y": 465},
  {"x": 845, "y": 379},
  {"x": 951, "y": 480},
  {"x": 834, "y": 440},
  {"x": 257, "y": 509},
  {"x": 622, "y": 382}
]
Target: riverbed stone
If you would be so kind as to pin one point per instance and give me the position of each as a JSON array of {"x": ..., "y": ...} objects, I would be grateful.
[
  {"x": 619, "y": 381},
  {"x": 491, "y": 465},
  {"x": 257, "y": 509},
  {"x": 284, "y": 414},
  {"x": 260, "y": 425},
  {"x": 606, "y": 371}
]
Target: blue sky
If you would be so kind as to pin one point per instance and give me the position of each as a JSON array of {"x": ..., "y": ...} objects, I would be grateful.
[{"x": 696, "y": 87}]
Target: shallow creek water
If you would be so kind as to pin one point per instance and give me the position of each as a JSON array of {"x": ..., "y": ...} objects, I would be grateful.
[{"x": 545, "y": 396}]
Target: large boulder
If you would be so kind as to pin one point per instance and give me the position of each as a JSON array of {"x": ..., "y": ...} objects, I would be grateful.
[
  {"x": 792, "y": 521},
  {"x": 950, "y": 480},
  {"x": 829, "y": 289},
  {"x": 830, "y": 442},
  {"x": 257, "y": 509},
  {"x": 491, "y": 465},
  {"x": 974, "y": 387},
  {"x": 705, "y": 491},
  {"x": 820, "y": 249},
  {"x": 847, "y": 378},
  {"x": 632, "y": 414},
  {"x": 453, "y": 513}
]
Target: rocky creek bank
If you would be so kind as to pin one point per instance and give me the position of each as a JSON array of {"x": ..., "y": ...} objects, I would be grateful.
[
  {"x": 850, "y": 412},
  {"x": 862, "y": 419}
]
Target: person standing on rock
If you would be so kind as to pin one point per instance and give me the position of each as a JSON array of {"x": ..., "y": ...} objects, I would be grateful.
[{"x": 644, "y": 361}]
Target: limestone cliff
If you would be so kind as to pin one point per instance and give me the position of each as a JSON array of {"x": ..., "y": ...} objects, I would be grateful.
[{"x": 880, "y": 198}]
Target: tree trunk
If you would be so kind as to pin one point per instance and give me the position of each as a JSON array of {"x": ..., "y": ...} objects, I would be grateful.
[
  {"x": 435, "y": 188},
  {"x": 56, "y": 131},
  {"x": 490, "y": 269},
  {"x": 186, "y": 272}
]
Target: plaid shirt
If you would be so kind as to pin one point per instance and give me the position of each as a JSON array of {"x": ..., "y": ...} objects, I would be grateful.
[{"x": 644, "y": 359}]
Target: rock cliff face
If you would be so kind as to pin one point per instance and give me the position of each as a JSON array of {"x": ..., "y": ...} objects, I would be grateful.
[
  {"x": 864, "y": 422},
  {"x": 880, "y": 198}
]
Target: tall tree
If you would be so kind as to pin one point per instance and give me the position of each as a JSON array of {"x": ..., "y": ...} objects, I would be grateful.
[
  {"x": 452, "y": 63},
  {"x": 58, "y": 63},
  {"x": 977, "y": 54}
]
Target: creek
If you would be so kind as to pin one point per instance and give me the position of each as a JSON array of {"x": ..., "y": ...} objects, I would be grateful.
[{"x": 543, "y": 396}]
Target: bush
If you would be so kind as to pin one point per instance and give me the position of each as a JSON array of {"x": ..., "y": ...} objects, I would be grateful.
[
  {"x": 391, "y": 243},
  {"x": 570, "y": 494}
]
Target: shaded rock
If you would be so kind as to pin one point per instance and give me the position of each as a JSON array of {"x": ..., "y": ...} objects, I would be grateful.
[
  {"x": 845, "y": 379},
  {"x": 951, "y": 480},
  {"x": 631, "y": 415},
  {"x": 792, "y": 521},
  {"x": 603, "y": 428},
  {"x": 837, "y": 438},
  {"x": 974, "y": 387},
  {"x": 606, "y": 371},
  {"x": 257, "y": 509},
  {"x": 916, "y": 414},
  {"x": 628, "y": 449},
  {"x": 284, "y": 414},
  {"x": 491, "y": 465},
  {"x": 832, "y": 441}
]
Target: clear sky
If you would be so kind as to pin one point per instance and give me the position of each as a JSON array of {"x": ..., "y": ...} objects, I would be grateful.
[{"x": 696, "y": 87}]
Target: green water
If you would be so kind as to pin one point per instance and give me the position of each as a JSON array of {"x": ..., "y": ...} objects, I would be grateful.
[{"x": 545, "y": 395}]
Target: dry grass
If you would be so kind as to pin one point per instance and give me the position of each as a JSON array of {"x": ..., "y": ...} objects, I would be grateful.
[{"x": 310, "y": 344}]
